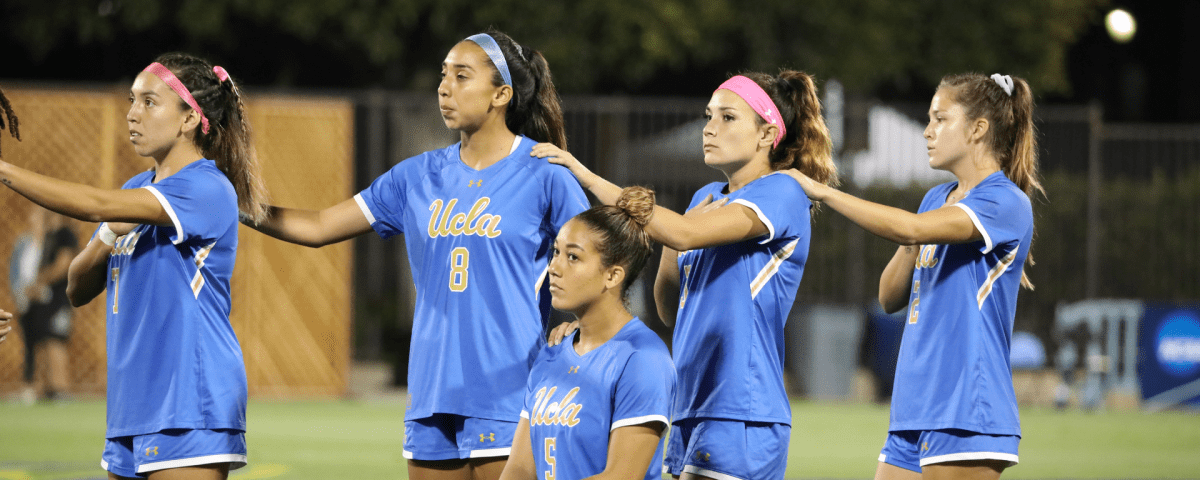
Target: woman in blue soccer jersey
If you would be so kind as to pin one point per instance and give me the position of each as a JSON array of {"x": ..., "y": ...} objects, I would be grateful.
[
  {"x": 598, "y": 404},
  {"x": 954, "y": 412},
  {"x": 730, "y": 270},
  {"x": 478, "y": 219},
  {"x": 176, "y": 380}
]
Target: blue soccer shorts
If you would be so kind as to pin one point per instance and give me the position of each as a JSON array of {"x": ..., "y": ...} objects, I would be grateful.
[
  {"x": 139, "y": 455},
  {"x": 727, "y": 449},
  {"x": 445, "y": 436},
  {"x": 913, "y": 449}
]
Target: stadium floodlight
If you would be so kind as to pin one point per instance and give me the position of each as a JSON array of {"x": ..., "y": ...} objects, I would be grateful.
[{"x": 1121, "y": 25}]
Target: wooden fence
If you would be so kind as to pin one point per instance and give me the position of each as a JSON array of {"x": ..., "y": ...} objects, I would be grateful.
[{"x": 291, "y": 304}]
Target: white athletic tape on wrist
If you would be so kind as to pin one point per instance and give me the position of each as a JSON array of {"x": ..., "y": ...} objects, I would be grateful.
[{"x": 106, "y": 235}]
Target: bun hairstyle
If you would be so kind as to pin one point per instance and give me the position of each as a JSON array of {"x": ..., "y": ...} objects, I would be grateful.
[
  {"x": 535, "y": 110},
  {"x": 228, "y": 141},
  {"x": 623, "y": 239},
  {"x": 807, "y": 146},
  {"x": 1012, "y": 136}
]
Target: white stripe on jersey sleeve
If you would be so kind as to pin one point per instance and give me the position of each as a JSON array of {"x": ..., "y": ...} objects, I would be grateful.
[
  {"x": 765, "y": 220},
  {"x": 987, "y": 239},
  {"x": 639, "y": 421},
  {"x": 170, "y": 212},
  {"x": 525, "y": 414},
  {"x": 772, "y": 267},
  {"x": 363, "y": 206}
]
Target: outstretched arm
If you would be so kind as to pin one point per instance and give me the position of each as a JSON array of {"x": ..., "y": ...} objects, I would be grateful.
[
  {"x": 942, "y": 226},
  {"x": 85, "y": 202},
  {"x": 720, "y": 226},
  {"x": 314, "y": 228}
]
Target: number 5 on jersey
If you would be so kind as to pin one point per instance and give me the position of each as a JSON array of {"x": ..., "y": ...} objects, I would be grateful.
[{"x": 460, "y": 258}]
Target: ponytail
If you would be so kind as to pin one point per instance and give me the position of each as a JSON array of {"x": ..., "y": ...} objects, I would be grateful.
[
  {"x": 622, "y": 230},
  {"x": 228, "y": 142},
  {"x": 1013, "y": 137},
  {"x": 535, "y": 110},
  {"x": 807, "y": 146}
]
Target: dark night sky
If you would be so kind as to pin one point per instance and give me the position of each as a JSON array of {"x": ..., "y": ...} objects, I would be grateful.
[{"x": 1154, "y": 78}]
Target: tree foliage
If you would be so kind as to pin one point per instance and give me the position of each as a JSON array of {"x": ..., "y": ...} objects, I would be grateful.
[{"x": 635, "y": 46}]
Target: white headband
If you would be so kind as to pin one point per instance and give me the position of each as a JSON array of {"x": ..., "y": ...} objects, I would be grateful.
[{"x": 1004, "y": 81}]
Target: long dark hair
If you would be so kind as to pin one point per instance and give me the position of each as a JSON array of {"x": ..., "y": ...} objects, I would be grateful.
[
  {"x": 228, "y": 141},
  {"x": 535, "y": 110},
  {"x": 1012, "y": 136}
]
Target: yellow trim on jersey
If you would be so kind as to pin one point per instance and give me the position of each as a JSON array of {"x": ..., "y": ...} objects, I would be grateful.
[
  {"x": 198, "y": 279},
  {"x": 772, "y": 267},
  {"x": 1000, "y": 268}
]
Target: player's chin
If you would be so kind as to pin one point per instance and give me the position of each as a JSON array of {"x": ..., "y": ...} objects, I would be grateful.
[{"x": 561, "y": 302}]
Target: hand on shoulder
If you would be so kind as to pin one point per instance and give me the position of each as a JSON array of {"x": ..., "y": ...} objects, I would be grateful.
[
  {"x": 815, "y": 190},
  {"x": 558, "y": 156}
]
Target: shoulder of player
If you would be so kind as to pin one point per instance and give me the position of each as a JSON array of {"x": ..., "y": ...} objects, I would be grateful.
[
  {"x": 777, "y": 185},
  {"x": 140, "y": 180},
  {"x": 641, "y": 340},
  {"x": 999, "y": 186},
  {"x": 203, "y": 174}
]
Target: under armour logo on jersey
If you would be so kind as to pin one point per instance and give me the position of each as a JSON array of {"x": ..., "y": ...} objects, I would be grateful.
[
  {"x": 574, "y": 369},
  {"x": 491, "y": 437},
  {"x": 475, "y": 183},
  {"x": 703, "y": 457},
  {"x": 152, "y": 452},
  {"x": 924, "y": 446}
]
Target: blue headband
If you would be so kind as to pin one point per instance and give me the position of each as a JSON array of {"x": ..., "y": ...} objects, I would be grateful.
[{"x": 492, "y": 49}]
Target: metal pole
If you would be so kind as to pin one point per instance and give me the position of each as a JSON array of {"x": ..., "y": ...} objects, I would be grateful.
[{"x": 1095, "y": 143}]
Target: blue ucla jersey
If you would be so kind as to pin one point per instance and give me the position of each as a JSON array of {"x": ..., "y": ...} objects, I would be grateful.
[
  {"x": 733, "y": 303},
  {"x": 478, "y": 246},
  {"x": 954, "y": 370},
  {"x": 173, "y": 359},
  {"x": 574, "y": 402}
]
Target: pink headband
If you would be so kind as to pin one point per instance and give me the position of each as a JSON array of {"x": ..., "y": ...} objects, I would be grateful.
[
  {"x": 169, "y": 78},
  {"x": 758, "y": 100}
]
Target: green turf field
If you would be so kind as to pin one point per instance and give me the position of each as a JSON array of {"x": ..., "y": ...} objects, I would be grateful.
[{"x": 355, "y": 440}]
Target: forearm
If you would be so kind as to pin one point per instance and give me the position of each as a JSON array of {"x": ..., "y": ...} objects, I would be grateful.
[
  {"x": 83, "y": 202},
  {"x": 604, "y": 190},
  {"x": 666, "y": 287},
  {"x": 890, "y": 223},
  {"x": 314, "y": 228},
  {"x": 87, "y": 275},
  {"x": 895, "y": 284}
]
